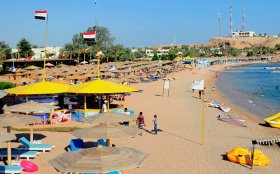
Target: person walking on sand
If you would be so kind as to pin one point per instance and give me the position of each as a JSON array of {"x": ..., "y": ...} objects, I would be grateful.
[
  {"x": 140, "y": 121},
  {"x": 155, "y": 124}
]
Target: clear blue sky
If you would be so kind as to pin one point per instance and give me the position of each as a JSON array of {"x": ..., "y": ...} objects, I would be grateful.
[{"x": 134, "y": 23}]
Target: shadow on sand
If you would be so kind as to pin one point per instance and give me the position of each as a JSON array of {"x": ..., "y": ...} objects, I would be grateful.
[
  {"x": 36, "y": 136},
  {"x": 178, "y": 136}
]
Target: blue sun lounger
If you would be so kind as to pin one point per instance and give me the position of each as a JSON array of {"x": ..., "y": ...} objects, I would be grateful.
[
  {"x": 19, "y": 153},
  {"x": 76, "y": 144},
  {"x": 102, "y": 142},
  {"x": 10, "y": 169},
  {"x": 31, "y": 146}
]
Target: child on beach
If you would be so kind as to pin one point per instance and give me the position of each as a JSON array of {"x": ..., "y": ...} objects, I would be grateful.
[
  {"x": 155, "y": 124},
  {"x": 140, "y": 121}
]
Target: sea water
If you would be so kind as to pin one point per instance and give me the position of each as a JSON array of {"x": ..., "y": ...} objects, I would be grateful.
[{"x": 255, "y": 87}]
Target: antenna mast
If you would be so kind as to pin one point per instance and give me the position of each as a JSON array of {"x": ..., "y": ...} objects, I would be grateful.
[
  {"x": 243, "y": 20},
  {"x": 230, "y": 20}
]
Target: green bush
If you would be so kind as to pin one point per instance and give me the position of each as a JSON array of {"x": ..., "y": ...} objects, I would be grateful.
[{"x": 6, "y": 85}]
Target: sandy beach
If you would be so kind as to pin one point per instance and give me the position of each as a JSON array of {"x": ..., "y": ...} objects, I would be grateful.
[{"x": 177, "y": 148}]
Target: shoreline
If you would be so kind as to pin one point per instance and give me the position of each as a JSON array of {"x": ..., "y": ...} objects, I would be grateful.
[{"x": 237, "y": 110}]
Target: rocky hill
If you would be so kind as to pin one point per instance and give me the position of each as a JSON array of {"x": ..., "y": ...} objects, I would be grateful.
[{"x": 243, "y": 42}]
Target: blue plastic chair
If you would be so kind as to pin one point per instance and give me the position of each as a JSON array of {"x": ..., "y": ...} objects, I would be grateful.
[
  {"x": 102, "y": 142},
  {"x": 76, "y": 144}
]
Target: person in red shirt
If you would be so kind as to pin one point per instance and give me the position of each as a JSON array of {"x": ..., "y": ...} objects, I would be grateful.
[{"x": 140, "y": 121}]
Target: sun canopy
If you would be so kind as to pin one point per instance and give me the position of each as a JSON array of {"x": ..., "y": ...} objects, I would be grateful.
[
  {"x": 42, "y": 87},
  {"x": 100, "y": 87},
  {"x": 98, "y": 160}
]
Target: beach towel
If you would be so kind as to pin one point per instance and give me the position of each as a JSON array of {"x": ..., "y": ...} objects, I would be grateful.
[{"x": 232, "y": 120}]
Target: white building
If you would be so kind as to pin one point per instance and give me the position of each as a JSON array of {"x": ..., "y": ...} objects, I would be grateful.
[
  {"x": 39, "y": 53},
  {"x": 160, "y": 52},
  {"x": 243, "y": 34}
]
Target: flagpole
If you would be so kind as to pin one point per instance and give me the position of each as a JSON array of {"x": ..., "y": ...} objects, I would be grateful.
[
  {"x": 98, "y": 57},
  {"x": 203, "y": 117},
  {"x": 46, "y": 43}
]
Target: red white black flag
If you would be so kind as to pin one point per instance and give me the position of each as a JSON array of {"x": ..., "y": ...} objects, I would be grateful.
[
  {"x": 41, "y": 14},
  {"x": 89, "y": 36}
]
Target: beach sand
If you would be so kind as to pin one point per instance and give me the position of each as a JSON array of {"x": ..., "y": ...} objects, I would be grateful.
[{"x": 177, "y": 148}]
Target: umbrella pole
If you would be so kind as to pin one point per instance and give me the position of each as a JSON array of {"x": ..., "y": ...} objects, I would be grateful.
[
  {"x": 108, "y": 143},
  {"x": 31, "y": 133},
  {"x": 85, "y": 107},
  {"x": 124, "y": 101},
  {"x": 108, "y": 104},
  {"x": 9, "y": 151}
]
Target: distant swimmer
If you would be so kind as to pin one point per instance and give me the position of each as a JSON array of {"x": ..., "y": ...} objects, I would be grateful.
[
  {"x": 262, "y": 95},
  {"x": 262, "y": 87}
]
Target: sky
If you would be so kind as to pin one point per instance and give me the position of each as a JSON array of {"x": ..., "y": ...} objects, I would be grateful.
[{"x": 134, "y": 23}]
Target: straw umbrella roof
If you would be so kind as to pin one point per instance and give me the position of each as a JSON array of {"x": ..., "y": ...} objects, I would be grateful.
[
  {"x": 4, "y": 137},
  {"x": 3, "y": 93},
  {"x": 100, "y": 87},
  {"x": 11, "y": 119},
  {"x": 30, "y": 107},
  {"x": 109, "y": 117},
  {"x": 106, "y": 131},
  {"x": 98, "y": 160},
  {"x": 32, "y": 67},
  {"x": 77, "y": 77},
  {"x": 42, "y": 87},
  {"x": 61, "y": 81}
]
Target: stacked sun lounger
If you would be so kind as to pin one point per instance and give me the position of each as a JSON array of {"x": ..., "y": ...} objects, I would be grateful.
[{"x": 267, "y": 140}]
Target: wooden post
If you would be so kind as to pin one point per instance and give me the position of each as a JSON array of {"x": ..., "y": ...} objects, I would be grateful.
[
  {"x": 108, "y": 103},
  {"x": 85, "y": 108},
  {"x": 31, "y": 133},
  {"x": 9, "y": 153},
  {"x": 124, "y": 104},
  {"x": 51, "y": 120},
  {"x": 108, "y": 142},
  {"x": 202, "y": 100}
]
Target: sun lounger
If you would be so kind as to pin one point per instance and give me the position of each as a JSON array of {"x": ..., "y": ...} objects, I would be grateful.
[
  {"x": 219, "y": 105},
  {"x": 102, "y": 142},
  {"x": 76, "y": 144},
  {"x": 232, "y": 120},
  {"x": 31, "y": 146},
  {"x": 10, "y": 169},
  {"x": 19, "y": 153}
]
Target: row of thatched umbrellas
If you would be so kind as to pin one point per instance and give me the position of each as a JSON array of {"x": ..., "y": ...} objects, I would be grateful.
[
  {"x": 110, "y": 158},
  {"x": 102, "y": 159}
]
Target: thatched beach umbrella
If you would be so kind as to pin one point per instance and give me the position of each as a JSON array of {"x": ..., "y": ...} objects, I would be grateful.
[
  {"x": 107, "y": 131},
  {"x": 99, "y": 160},
  {"x": 4, "y": 137},
  {"x": 30, "y": 107},
  {"x": 9, "y": 119},
  {"x": 110, "y": 117},
  {"x": 8, "y": 137},
  {"x": 32, "y": 67}
]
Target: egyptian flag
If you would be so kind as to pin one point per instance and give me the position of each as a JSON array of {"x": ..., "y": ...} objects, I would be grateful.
[
  {"x": 41, "y": 14},
  {"x": 89, "y": 36}
]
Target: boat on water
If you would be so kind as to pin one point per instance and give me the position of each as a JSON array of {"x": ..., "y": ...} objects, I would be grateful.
[{"x": 274, "y": 120}]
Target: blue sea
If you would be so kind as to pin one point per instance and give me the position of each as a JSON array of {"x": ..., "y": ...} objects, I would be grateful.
[{"x": 255, "y": 87}]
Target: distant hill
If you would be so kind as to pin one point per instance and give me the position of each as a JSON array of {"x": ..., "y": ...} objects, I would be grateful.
[{"x": 243, "y": 42}]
